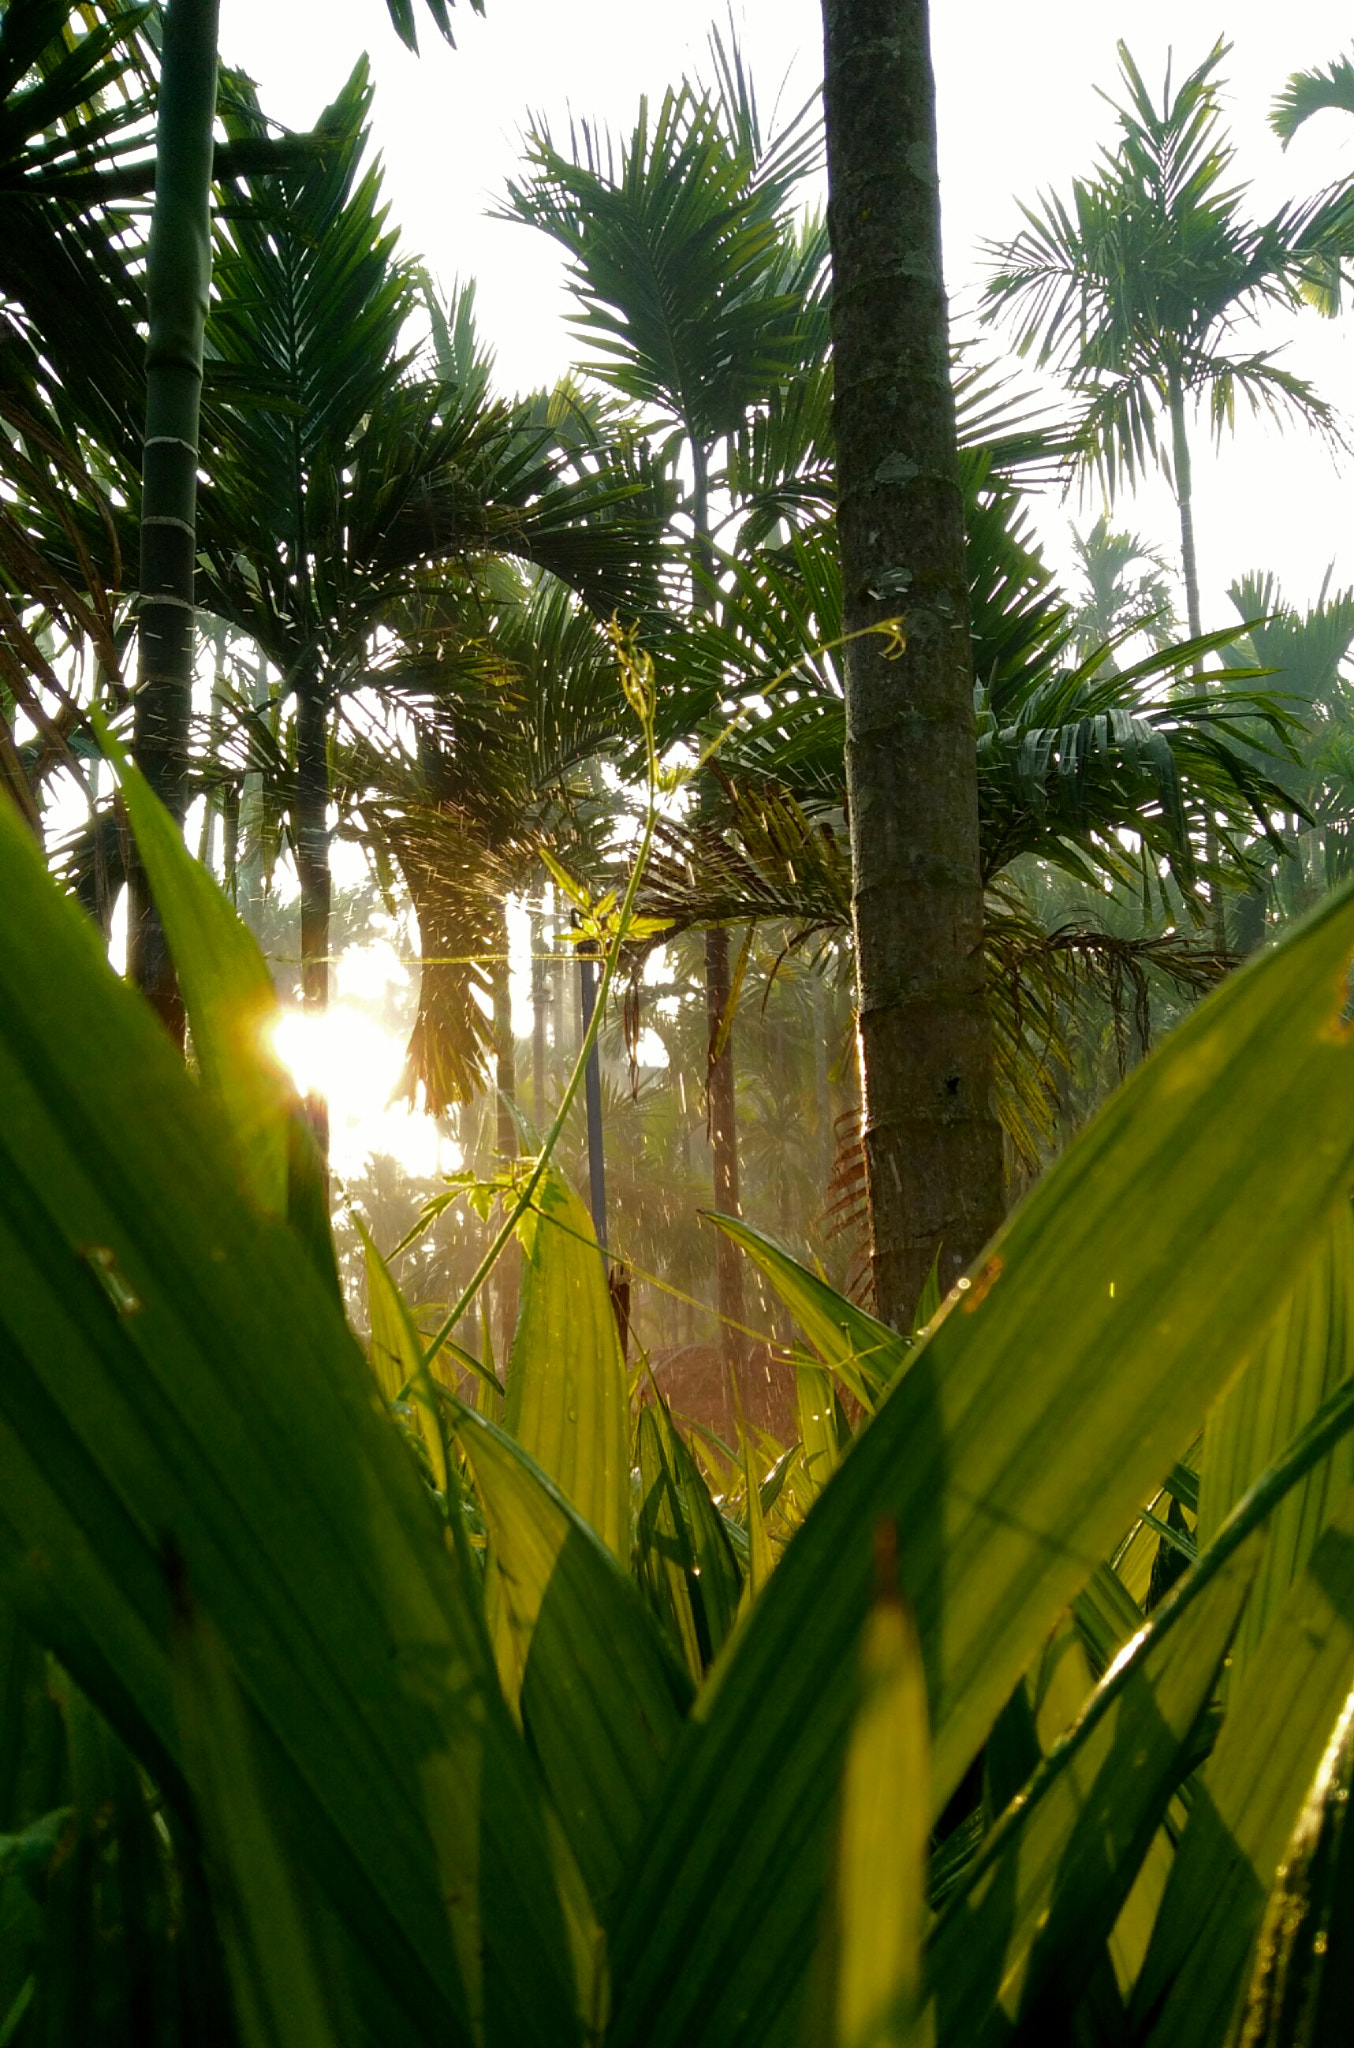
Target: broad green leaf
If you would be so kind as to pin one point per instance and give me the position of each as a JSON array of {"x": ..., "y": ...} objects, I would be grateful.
[
  {"x": 175, "y": 1372},
  {"x": 1107, "y": 1615},
  {"x": 1308, "y": 1352},
  {"x": 1018, "y": 1944},
  {"x": 602, "y": 1699},
  {"x": 1279, "y": 1722},
  {"x": 1302, "y": 1986},
  {"x": 817, "y": 1425},
  {"x": 226, "y": 988},
  {"x": 686, "y": 1562},
  {"x": 759, "y": 1544},
  {"x": 279, "y": 1998},
  {"x": 882, "y": 1840},
  {"x": 397, "y": 1355},
  {"x": 1030, "y": 1423},
  {"x": 664, "y": 1558},
  {"x": 566, "y": 1400},
  {"x": 863, "y": 1352}
]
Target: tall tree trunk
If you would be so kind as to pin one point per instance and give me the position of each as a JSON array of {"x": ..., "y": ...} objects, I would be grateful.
[
  {"x": 592, "y": 1090},
  {"x": 310, "y": 831},
  {"x": 505, "y": 1048},
  {"x": 822, "y": 1096},
  {"x": 1184, "y": 500},
  {"x": 178, "y": 280},
  {"x": 722, "y": 1110},
  {"x": 540, "y": 1004},
  {"x": 252, "y": 822},
  {"x": 932, "y": 1141},
  {"x": 507, "y": 1273},
  {"x": 310, "y": 827},
  {"x": 723, "y": 1139},
  {"x": 565, "y": 997},
  {"x": 214, "y": 802}
]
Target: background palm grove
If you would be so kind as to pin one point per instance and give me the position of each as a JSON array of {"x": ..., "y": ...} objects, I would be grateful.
[{"x": 676, "y": 1266}]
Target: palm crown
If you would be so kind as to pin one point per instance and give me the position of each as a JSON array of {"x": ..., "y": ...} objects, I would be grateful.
[{"x": 1134, "y": 287}]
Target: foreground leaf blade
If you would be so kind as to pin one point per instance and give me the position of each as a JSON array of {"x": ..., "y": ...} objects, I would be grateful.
[
  {"x": 227, "y": 991},
  {"x": 1048, "y": 1887},
  {"x": 175, "y": 1368},
  {"x": 1307, "y": 1354},
  {"x": 1279, "y": 1722},
  {"x": 882, "y": 1843},
  {"x": 1010, "y": 1454},
  {"x": 566, "y": 1400},
  {"x": 602, "y": 1701},
  {"x": 279, "y": 2000}
]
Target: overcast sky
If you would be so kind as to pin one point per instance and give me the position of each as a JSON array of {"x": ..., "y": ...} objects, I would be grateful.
[{"x": 1018, "y": 112}]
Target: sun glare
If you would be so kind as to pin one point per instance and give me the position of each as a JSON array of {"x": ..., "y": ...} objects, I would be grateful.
[{"x": 355, "y": 1063}]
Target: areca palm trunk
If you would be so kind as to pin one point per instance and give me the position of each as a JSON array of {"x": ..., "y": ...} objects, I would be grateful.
[
  {"x": 1184, "y": 500},
  {"x": 723, "y": 1139},
  {"x": 178, "y": 280},
  {"x": 507, "y": 1271},
  {"x": 719, "y": 1080},
  {"x": 932, "y": 1141},
  {"x": 310, "y": 828},
  {"x": 505, "y": 1049},
  {"x": 540, "y": 1001},
  {"x": 310, "y": 833}
]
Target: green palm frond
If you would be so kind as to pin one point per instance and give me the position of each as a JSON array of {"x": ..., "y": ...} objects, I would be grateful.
[
  {"x": 404, "y": 18},
  {"x": 1131, "y": 286},
  {"x": 340, "y": 470},
  {"x": 1115, "y": 598},
  {"x": 505, "y": 705},
  {"x": 1077, "y": 759},
  {"x": 689, "y": 276},
  {"x": 1312, "y": 92}
]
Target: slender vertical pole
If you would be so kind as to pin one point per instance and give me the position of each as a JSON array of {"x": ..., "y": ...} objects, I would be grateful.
[
  {"x": 178, "y": 281},
  {"x": 592, "y": 1086}
]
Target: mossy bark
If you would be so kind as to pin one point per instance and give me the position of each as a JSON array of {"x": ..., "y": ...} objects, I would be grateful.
[{"x": 932, "y": 1139}]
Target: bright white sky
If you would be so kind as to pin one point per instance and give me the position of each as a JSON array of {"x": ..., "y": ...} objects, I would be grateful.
[{"x": 1018, "y": 112}]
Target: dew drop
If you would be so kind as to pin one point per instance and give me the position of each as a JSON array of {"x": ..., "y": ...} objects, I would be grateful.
[{"x": 102, "y": 1262}]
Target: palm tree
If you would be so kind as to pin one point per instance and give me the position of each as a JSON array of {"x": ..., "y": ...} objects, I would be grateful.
[
  {"x": 1135, "y": 288},
  {"x": 703, "y": 297},
  {"x": 1330, "y": 237},
  {"x": 76, "y": 106},
  {"x": 178, "y": 283},
  {"x": 1305, "y": 654},
  {"x": 356, "y": 479},
  {"x": 1102, "y": 774},
  {"x": 1115, "y": 603}
]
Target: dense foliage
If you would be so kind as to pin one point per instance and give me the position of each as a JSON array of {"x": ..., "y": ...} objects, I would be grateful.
[{"x": 413, "y": 1627}]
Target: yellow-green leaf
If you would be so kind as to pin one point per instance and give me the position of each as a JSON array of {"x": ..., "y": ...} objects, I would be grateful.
[
  {"x": 882, "y": 1843},
  {"x": 1308, "y": 1352},
  {"x": 226, "y": 988},
  {"x": 566, "y": 1400}
]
